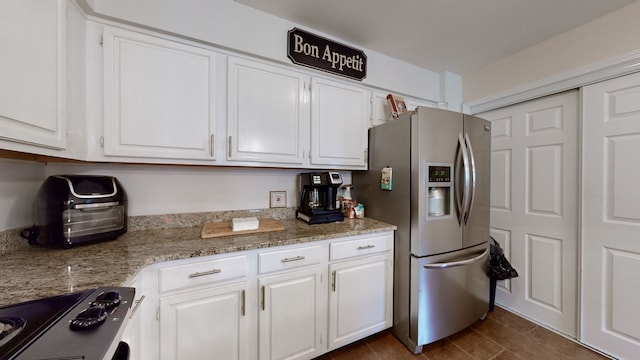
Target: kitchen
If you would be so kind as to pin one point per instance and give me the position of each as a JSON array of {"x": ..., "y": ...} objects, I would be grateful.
[{"x": 235, "y": 187}]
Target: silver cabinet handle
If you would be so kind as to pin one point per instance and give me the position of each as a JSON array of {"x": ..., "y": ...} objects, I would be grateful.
[
  {"x": 366, "y": 247},
  {"x": 456, "y": 263},
  {"x": 333, "y": 281},
  {"x": 136, "y": 306},
  {"x": 242, "y": 307},
  {"x": 205, "y": 273},
  {"x": 295, "y": 258}
]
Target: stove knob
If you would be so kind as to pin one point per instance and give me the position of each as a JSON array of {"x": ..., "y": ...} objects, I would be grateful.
[
  {"x": 109, "y": 299},
  {"x": 89, "y": 318}
]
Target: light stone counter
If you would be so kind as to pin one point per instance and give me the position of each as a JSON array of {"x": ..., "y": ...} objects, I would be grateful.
[{"x": 30, "y": 272}]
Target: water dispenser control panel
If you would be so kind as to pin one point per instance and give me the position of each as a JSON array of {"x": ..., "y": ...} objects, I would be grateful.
[{"x": 439, "y": 189}]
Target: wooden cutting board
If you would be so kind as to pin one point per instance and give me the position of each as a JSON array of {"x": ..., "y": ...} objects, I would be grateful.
[{"x": 217, "y": 229}]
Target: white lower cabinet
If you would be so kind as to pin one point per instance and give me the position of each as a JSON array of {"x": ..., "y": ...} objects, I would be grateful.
[
  {"x": 204, "y": 324},
  {"x": 361, "y": 289},
  {"x": 286, "y": 302},
  {"x": 359, "y": 299},
  {"x": 291, "y": 319}
]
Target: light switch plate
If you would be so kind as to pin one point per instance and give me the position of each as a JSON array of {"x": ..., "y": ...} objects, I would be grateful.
[{"x": 278, "y": 199}]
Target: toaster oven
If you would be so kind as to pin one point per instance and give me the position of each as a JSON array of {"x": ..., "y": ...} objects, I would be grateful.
[{"x": 77, "y": 209}]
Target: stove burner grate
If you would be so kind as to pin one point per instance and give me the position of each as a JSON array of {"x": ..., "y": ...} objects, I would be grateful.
[{"x": 9, "y": 328}]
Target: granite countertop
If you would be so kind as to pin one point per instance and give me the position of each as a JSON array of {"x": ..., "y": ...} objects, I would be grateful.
[{"x": 35, "y": 272}]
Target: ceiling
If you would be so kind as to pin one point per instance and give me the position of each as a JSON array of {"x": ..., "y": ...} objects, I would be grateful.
[{"x": 454, "y": 35}]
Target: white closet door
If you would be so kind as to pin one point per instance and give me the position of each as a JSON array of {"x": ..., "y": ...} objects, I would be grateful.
[
  {"x": 534, "y": 206},
  {"x": 611, "y": 218}
]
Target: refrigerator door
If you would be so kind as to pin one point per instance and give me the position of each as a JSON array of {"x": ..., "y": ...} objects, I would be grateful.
[
  {"x": 477, "y": 137},
  {"x": 434, "y": 142},
  {"x": 448, "y": 293}
]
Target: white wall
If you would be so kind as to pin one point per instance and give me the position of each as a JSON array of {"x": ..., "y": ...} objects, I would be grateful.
[
  {"x": 19, "y": 183},
  {"x": 154, "y": 190},
  {"x": 227, "y": 24},
  {"x": 603, "y": 38}
]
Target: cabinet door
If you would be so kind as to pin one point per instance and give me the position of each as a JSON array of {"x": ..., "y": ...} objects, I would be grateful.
[
  {"x": 267, "y": 113},
  {"x": 340, "y": 115},
  {"x": 32, "y": 91},
  {"x": 205, "y": 324},
  {"x": 360, "y": 298},
  {"x": 159, "y": 97},
  {"x": 292, "y": 321}
]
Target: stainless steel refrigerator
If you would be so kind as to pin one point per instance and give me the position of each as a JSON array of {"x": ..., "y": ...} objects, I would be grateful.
[{"x": 429, "y": 175}]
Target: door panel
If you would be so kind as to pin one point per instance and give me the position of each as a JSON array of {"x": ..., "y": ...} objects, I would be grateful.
[
  {"x": 611, "y": 217},
  {"x": 534, "y": 206}
]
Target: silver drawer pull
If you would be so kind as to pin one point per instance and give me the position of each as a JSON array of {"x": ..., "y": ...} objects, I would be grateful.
[
  {"x": 366, "y": 247},
  {"x": 296, "y": 258},
  {"x": 205, "y": 273}
]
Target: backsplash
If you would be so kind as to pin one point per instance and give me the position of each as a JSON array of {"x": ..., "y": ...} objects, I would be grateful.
[{"x": 11, "y": 239}]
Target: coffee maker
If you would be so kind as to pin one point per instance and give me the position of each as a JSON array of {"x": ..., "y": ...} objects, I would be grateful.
[{"x": 318, "y": 192}]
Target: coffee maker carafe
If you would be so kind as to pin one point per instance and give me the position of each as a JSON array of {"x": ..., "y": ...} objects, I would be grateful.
[{"x": 318, "y": 192}]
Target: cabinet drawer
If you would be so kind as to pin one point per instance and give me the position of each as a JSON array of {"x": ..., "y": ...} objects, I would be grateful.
[
  {"x": 289, "y": 259},
  {"x": 359, "y": 247},
  {"x": 202, "y": 272}
]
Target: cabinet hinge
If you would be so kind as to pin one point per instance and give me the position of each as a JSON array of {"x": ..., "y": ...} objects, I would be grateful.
[{"x": 101, "y": 39}]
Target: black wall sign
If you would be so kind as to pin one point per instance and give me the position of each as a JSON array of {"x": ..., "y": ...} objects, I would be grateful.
[{"x": 323, "y": 54}]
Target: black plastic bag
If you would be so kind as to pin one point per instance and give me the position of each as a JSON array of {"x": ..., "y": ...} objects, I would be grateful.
[{"x": 499, "y": 266}]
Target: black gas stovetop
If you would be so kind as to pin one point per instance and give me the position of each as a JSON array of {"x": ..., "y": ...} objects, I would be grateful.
[{"x": 82, "y": 325}]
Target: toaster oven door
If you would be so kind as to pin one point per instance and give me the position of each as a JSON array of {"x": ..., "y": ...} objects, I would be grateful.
[{"x": 90, "y": 219}]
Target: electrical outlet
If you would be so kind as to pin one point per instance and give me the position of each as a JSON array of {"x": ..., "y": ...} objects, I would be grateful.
[{"x": 277, "y": 199}]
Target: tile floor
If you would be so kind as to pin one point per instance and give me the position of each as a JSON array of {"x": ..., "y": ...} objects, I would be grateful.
[{"x": 500, "y": 336}]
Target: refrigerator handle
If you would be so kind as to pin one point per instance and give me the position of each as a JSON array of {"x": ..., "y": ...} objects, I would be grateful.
[
  {"x": 472, "y": 179},
  {"x": 457, "y": 263},
  {"x": 457, "y": 187},
  {"x": 464, "y": 202}
]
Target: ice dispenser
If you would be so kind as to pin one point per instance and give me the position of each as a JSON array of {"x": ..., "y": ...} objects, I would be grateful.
[{"x": 439, "y": 186}]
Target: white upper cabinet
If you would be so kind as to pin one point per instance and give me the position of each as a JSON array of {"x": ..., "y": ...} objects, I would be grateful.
[
  {"x": 267, "y": 113},
  {"x": 32, "y": 85},
  {"x": 159, "y": 97},
  {"x": 273, "y": 118},
  {"x": 340, "y": 116}
]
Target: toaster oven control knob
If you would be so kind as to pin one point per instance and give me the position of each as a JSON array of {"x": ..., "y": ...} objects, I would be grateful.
[
  {"x": 89, "y": 318},
  {"x": 109, "y": 299}
]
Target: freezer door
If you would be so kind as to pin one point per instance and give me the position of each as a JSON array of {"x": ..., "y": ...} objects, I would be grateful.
[
  {"x": 448, "y": 293},
  {"x": 477, "y": 139}
]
